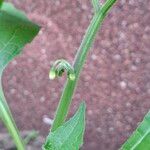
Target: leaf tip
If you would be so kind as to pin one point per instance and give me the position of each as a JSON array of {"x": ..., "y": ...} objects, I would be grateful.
[{"x": 81, "y": 109}]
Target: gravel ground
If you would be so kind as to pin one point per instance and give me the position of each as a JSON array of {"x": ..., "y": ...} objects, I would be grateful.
[{"x": 115, "y": 82}]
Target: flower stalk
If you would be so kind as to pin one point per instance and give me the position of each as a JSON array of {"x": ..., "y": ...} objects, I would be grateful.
[{"x": 69, "y": 88}]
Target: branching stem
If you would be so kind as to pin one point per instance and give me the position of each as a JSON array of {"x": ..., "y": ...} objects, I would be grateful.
[
  {"x": 96, "y": 5},
  {"x": 70, "y": 85}
]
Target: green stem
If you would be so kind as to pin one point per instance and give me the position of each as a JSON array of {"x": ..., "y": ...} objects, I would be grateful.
[
  {"x": 69, "y": 88},
  {"x": 6, "y": 116},
  {"x": 96, "y": 5}
]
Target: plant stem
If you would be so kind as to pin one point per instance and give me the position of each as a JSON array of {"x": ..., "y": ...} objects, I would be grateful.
[
  {"x": 66, "y": 98},
  {"x": 96, "y": 5},
  {"x": 6, "y": 116}
]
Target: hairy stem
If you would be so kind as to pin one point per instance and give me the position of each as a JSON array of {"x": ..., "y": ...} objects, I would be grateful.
[{"x": 66, "y": 98}]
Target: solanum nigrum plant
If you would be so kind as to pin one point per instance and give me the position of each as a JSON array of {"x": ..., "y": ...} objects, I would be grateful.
[
  {"x": 15, "y": 32},
  {"x": 69, "y": 135}
]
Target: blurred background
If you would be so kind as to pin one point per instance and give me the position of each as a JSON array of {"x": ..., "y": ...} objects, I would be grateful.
[{"x": 115, "y": 82}]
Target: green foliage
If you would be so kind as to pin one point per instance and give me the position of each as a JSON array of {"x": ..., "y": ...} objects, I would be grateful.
[
  {"x": 15, "y": 31},
  {"x": 62, "y": 137},
  {"x": 69, "y": 136},
  {"x": 1, "y": 1},
  {"x": 140, "y": 139}
]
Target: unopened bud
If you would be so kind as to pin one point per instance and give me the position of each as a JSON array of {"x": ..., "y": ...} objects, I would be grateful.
[
  {"x": 72, "y": 76},
  {"x": 52, "y": 74}
]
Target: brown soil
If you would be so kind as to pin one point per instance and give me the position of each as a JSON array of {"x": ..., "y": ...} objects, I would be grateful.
[{"x": 115, "y": 82}]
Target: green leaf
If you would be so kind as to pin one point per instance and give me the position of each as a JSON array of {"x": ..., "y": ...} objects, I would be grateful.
[
  {"x": 140, "y": 139},
  {"x": 69, "y": 136},
  {"x": 15, "y": 32},
  {"x": 1, "y": 1}
]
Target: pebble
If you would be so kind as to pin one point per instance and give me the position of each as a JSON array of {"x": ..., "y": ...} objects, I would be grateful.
[
  {"x": 42, "y": 99},
  {"x": 117, "y": 57},
  {"x": 94, "y": 57},
  {"x": 123, "y": 85},
  {"x": 47, "y": 120},
  {"x": 26, "y": 92}
]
